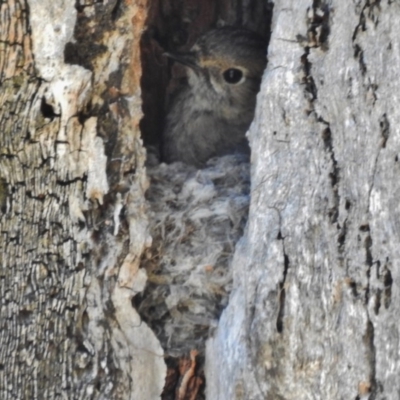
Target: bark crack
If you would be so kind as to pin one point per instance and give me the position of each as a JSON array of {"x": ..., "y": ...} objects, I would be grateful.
[
  {"x": 334, "y": 176},
  {"x": 318, "y": 26},
  {"x": 371, "y": 12},
  {"x": 282, "y": 288},
  {"x": 317, "y": 36},
  {"x": 385, "y": 129},
  {"x": 385, "y": 133},
  {"x": 370, "y": 330}
]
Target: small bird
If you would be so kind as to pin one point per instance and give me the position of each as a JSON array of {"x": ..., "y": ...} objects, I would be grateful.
[{"x": 210, "y": 116}]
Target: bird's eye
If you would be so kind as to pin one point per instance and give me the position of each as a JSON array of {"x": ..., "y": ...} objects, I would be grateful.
[{"x": 233, "y": 75}]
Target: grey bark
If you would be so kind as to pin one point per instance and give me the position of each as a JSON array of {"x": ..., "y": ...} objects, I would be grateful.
[{"x": 313, "y": 311}]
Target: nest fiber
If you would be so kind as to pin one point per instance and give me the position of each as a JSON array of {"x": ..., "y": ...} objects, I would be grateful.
[{"x": 196, "y": 217}]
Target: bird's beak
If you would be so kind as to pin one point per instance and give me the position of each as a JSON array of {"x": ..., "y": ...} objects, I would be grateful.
[{"x": 188, "y": 59}]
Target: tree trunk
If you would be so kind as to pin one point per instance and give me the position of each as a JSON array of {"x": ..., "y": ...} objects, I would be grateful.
[
  {"x": 73, "y": 224},
  {"x": 312, "y": 313},
  {"x": 313, "y": 310}
]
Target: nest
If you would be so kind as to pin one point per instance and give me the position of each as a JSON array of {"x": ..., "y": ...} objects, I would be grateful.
[{"x": 195, "y": 217}]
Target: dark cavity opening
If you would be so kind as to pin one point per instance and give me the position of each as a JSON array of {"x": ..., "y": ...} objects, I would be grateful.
[{"x": 173, "y": 26}]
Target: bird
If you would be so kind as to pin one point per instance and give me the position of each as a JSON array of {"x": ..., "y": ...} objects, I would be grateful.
[{"x": 211, "y": 114}]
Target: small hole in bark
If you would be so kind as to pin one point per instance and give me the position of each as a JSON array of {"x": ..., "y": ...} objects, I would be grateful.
[
  {"x": 47, "y": 110},
  {"x": 388, "y": 281},
  {"x": 115, "y": 13},
  {"x": 82, "y": 117},
  {"x": 353, "y": 287},
  {"x": 342, "y": 235},
  {"x": 25, "y": 315},
  {"x": 364, "y": 228}
]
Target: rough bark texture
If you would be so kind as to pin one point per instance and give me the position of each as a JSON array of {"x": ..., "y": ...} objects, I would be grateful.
[
  {"x": 313, "y": 312},
  {"x": 72, "y": 198}
]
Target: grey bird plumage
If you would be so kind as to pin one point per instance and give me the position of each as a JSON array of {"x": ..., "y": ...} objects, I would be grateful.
[{"x": 210, "y": 116}]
